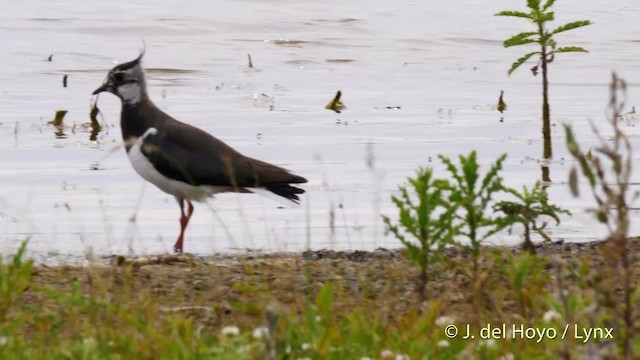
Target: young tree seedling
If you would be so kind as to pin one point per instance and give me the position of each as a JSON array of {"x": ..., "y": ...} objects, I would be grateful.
[{"x": 540, "y": 15}]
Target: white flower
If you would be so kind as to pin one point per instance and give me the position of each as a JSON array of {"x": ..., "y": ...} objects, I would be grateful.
[
  {"x": 260, "y": 332},
  {"x": 387, "y": 354},
  {"x": 551, "y": 315},
  {"x": 508, "y": 356},
  {"x": 365, "y": 358},
  {"x": 489, "y": 343},
  {"x": 230, "y": 331},
  {"x": 216, "y": 350},
  {"x": 304, "y": 358},
  {"x": 444, "y": 320},
  {"x": 3, "y": 340},
  {"x": 305, "y": 346},
  {"x": 402, "y": 357},
  {"x": 89, "y": 341},
  {"x": 443, "y": 343}
]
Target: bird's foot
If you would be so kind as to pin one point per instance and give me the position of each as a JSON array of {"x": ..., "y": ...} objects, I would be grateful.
[{"x": 177, "y": 248}]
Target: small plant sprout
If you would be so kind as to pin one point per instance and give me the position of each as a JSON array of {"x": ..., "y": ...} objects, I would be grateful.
[
  {"x": 425, "y": 224},
  {"x": 532, "y": 204},
  {"x": 540, "y": 14}
]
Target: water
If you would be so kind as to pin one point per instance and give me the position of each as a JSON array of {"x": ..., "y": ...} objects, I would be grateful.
[{"x": 418, "y": 78}]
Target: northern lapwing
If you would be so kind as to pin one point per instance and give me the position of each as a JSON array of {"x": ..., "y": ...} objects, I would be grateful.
[{"x": 181, "y": 159}]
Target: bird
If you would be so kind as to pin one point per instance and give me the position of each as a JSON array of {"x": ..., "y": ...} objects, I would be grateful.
[{"x": 183, "y": 160}]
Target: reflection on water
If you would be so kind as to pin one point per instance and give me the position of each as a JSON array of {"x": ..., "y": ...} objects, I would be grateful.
[{"x": 420, "y": 79}]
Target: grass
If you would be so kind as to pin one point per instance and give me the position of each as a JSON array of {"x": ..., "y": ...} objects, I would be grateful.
[{"x": 322, "y": 305}]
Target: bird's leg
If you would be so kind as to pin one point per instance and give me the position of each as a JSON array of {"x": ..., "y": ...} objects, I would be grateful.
[
  {"x": 184, "y": 220},
  {"x": 177, "y": 247}
]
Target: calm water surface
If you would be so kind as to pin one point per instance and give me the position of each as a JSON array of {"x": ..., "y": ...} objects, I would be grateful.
[{"x": 419, "y": 78}]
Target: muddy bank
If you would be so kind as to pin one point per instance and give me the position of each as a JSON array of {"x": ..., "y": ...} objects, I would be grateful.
[{"x": 237, "y": 289}]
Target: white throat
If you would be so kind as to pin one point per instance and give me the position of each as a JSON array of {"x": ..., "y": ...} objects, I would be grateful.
[{"x": 130, "y": 93}]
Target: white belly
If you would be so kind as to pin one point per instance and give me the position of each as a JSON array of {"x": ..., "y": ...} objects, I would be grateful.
[{"x": 176, "y": 188}]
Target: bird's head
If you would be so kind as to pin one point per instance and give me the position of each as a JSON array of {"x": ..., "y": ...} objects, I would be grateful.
[{"x": 126, "y": 81}]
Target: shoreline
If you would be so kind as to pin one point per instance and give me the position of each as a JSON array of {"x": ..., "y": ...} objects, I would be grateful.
[
  {"x": 542, "y": 249},
  {"x": 58, "y": 259}
]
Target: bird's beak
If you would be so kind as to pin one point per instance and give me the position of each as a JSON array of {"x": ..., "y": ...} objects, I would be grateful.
[{"x": 107, "y": 86}]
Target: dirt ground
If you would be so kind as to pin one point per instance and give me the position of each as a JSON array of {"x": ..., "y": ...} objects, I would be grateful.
[{"x": 236, "y": 289}]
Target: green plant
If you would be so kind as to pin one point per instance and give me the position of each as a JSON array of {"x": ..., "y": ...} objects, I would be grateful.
[
  {"x": 608, "y": 174},
  {"x": 526, "y": 278},
  {"x": 540, "y": 14},
  {"x": 317, "y": 333},
  {"x": 425, "y": 224},
  {"x": 14, "y": 281},
  {"x": 472, "y": 194},
  {"x": 533, "y": 203}
]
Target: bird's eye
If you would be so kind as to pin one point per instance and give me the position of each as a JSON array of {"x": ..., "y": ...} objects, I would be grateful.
[{"x": 118, "y": 76}]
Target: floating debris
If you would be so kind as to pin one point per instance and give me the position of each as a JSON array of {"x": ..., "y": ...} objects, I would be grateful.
[
  {"x": 263, "y": 100},
  {"x": 631, "y": 115},
  {"x": 502, "y": 106},
  {"x": 93, "y": 114},
  {"x": 58, "y": 120},
  {"x": 15, "y": 133},
  {"x": 95, "y": 165},
  {"x": 95, "y": 124},
  {"x": 335, "y": 104},
  {"x": 573, "y": 182},
  {"x": 340, "y": 60},
  {"x": 291, "y": 42},
  {"x": 250, "y": 62},
  {"x": 170, "y": 71},
  {"x": 64, "y": 80},
  {"x": 58, "y": 123}
]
